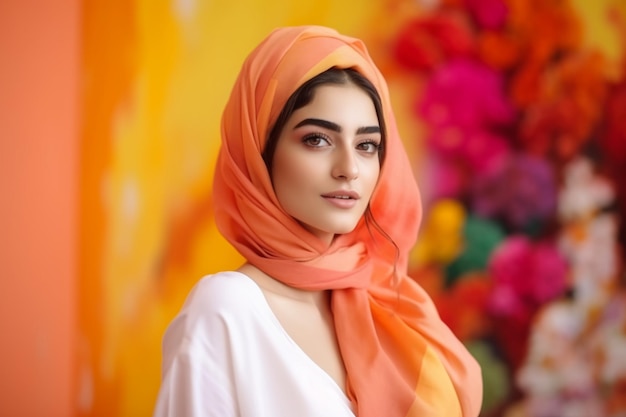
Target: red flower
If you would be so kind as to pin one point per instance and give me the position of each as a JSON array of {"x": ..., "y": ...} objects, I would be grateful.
[
  {"x": 426, "y": 42},
  {"x": 613, "y": 138},
  {"x": 567, "y": 107},
  {"x": 464, "y": 307}
]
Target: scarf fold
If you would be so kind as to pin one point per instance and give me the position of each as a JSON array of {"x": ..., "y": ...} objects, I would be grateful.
[{"x": 401, "y": 359}]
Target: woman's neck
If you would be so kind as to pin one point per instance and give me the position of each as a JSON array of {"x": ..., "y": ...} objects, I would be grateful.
[
  {"x": 306, "y": 316},
  {"x": 267, "y": 283}
]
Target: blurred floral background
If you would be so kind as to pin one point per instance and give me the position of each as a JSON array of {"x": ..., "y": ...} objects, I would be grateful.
[
  {"x": 514, "y": 113},
  {"x": 524, "y": 152}
]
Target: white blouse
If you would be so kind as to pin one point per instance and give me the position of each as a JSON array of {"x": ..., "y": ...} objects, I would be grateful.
[{"x": 226, "y": 354}]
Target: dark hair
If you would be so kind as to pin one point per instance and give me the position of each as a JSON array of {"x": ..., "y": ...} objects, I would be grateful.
[{"x": 304, "y": 95}]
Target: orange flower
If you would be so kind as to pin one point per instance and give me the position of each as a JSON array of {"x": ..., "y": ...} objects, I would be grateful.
[
  {"x": 540, "y": 31},
  {"x": 545, "y": 27},
  {"x": 498, "y": 49}
]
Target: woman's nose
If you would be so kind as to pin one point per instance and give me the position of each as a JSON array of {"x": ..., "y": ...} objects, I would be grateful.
[{"x": 345, "y": 165}]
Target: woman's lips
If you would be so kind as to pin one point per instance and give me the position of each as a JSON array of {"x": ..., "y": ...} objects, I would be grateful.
[{"x": 342, "y": 199}]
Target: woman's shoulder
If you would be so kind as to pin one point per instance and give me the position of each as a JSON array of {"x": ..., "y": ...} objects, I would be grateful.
[
  {"x": 222, "y": 310},
  {"x": 222, "y": 287},
  {"x": 217, "y": 303},
  {"x": 222, "y": 293}
]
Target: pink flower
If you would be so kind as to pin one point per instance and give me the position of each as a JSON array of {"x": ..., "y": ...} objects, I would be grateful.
[
  {"x": 505, "y": 302},
  {"x": 526, "y": 275},
  {"x": 466, "y": 94},
  {"x": 446, "y": 179},
  {"x": 489, "y": 14},
  {"x": 476, "y": 149},
  {"x": 467, "y": 111}
]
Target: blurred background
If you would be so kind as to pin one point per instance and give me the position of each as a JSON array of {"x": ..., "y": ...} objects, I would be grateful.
[{"x": 513, "y": 113}]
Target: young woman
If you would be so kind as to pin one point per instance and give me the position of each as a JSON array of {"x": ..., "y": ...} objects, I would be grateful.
[{"x": 314, "y": 189}]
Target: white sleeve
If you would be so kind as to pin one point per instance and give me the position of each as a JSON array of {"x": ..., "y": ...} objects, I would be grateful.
[
  {"x": 189, "y": 389},
  {"x": 195, "y": 378}
]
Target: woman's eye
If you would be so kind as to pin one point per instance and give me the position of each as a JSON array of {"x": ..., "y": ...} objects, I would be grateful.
[
  {"x": 315, "y": 140},
  {"x": 369, "y": 146}
]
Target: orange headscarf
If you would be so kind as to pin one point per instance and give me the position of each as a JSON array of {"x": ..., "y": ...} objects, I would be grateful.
[{"x": 401, "y": 360}]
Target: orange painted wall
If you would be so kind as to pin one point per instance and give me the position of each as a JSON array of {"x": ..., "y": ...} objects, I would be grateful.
[{"x": 39, "y": 62}]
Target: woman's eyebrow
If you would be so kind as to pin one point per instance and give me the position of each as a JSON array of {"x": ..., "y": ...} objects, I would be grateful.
[
  {"x": 335, "y": 127},
  {"x": 320, "y": 123},
  {"x": 368, "y": 130}
]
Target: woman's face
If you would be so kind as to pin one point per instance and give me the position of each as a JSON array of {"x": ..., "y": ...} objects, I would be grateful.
[{"x": 326, "y": 165}]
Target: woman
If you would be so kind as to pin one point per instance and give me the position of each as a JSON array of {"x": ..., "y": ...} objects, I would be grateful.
[{"x": 314, "y": 189}]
